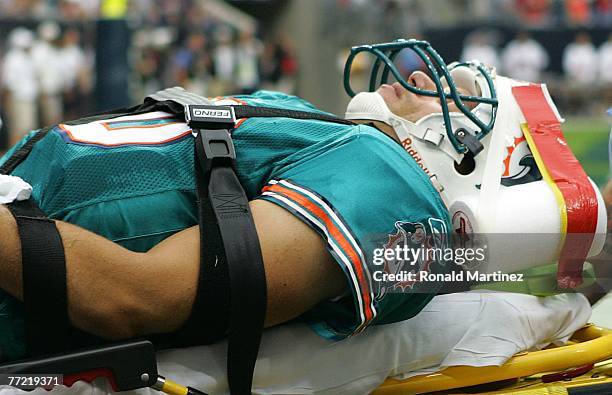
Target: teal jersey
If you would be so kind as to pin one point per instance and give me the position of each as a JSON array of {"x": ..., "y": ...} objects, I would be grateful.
[{"x": 131, "y": 179}]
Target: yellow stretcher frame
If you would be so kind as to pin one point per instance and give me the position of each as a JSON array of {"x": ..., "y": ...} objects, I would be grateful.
[{"x": 591, "y": 344}]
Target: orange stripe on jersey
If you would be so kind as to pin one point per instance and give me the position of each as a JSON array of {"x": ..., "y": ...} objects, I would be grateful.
[
  {"x": 338, "y": 236},
  {"x": 234, "y": 99},
  {"x": 238, "y": 100},
  {"x": 239, "y": 122}
]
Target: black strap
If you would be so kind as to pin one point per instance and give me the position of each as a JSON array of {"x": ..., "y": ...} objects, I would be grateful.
[
  {"x": 174, "y": 99},
  {"x": 247, "y": 277},
  {"x": 213, "y": 295},
  {"x": 20, "y": 154},
  {"x": 44, "y": 280},
  {"x": 230, "y": 246},
  {"x": 247, "y": 111}
]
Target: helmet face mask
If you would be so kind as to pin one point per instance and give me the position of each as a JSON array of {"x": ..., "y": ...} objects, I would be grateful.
[{"x": 446, "y": 87}]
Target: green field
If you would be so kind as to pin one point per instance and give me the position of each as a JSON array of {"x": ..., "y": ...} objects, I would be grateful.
[{"x": 588, "y": 138}]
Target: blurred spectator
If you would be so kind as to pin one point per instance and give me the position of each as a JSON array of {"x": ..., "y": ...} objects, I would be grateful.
[
  {"x": 578, "y": 12},
  {"x": 191, "y": 64},
  {"x": 20, "y": 83},
  {"x": 278, "y": 66},
  {"x": 224, "y": 58},
  {"x": 150, "y": 54},
  {"x": 67, "y": 10},
  {"x": 289, "y": 67},
  {"x": 534, "y": 12},
  {"x": 147, "y": 71},
  {"x": 524, "y": 58},
  {"x": 605, "y": 62},
  {"x": 71, "y": 10},
  {"x": 26, "y": 8},
  {"x": 482, "y": 9},
  {"x": 248, "y": 51},
  {"x": 401, "y": 17},
  {"x": 270, "y": 65},
  {"x": 605, "y": 73},
  {"x": 602, "y": 14},
  {"x": 76, "y": 71},
  {"x": 199, "y": 51},
  {"x": 479, "y": 46},
  {"x": 46, "y": 55},
  {"x": 580, "y": 61}
]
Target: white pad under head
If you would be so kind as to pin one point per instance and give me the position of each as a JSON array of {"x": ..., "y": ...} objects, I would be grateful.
[
  {"x": 372, "y": 106},
  {"x": 368, "y": 105}
]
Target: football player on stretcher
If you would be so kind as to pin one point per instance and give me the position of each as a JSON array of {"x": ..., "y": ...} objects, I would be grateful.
[{"x": 355, "y": 219}]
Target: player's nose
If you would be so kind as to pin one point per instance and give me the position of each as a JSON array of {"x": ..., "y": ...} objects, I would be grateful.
[{"x": 420, "y": 80}]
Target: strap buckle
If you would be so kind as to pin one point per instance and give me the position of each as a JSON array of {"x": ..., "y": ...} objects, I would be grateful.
[
  {"x": 216, "y": 147},
  {"x": 201, "y": 116},
  {"x": 211, "y": 126}
]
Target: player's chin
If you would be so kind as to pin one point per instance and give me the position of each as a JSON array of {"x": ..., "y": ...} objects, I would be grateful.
[{"x": 388, "y": 95}]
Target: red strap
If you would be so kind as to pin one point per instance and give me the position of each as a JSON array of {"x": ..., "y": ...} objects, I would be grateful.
[{"x": 568, "y": 175}]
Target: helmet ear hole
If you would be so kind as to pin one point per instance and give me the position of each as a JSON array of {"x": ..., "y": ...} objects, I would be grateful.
[{"x": 467, "y": 165}]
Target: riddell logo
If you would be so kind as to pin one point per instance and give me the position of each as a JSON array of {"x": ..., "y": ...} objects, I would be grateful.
[
  {"x": 203, "y": 112},
  {"x": 407, "y": 144}
]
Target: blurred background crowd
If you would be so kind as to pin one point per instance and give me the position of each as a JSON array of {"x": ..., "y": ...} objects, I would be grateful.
[
  {"x": 53, "y": 64},
  {"x": 62, "y": 59}
]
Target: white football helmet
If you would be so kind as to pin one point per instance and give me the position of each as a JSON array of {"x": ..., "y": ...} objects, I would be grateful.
[{"x": 479, "y": 159}]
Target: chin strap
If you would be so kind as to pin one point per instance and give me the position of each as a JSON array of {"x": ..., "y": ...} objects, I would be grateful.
[
  {"x": 403, "y": 128},
  {"x": 371, "y": 106}
]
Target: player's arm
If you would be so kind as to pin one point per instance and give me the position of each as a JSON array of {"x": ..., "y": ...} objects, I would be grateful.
[{"x": 117, "y": 293}]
